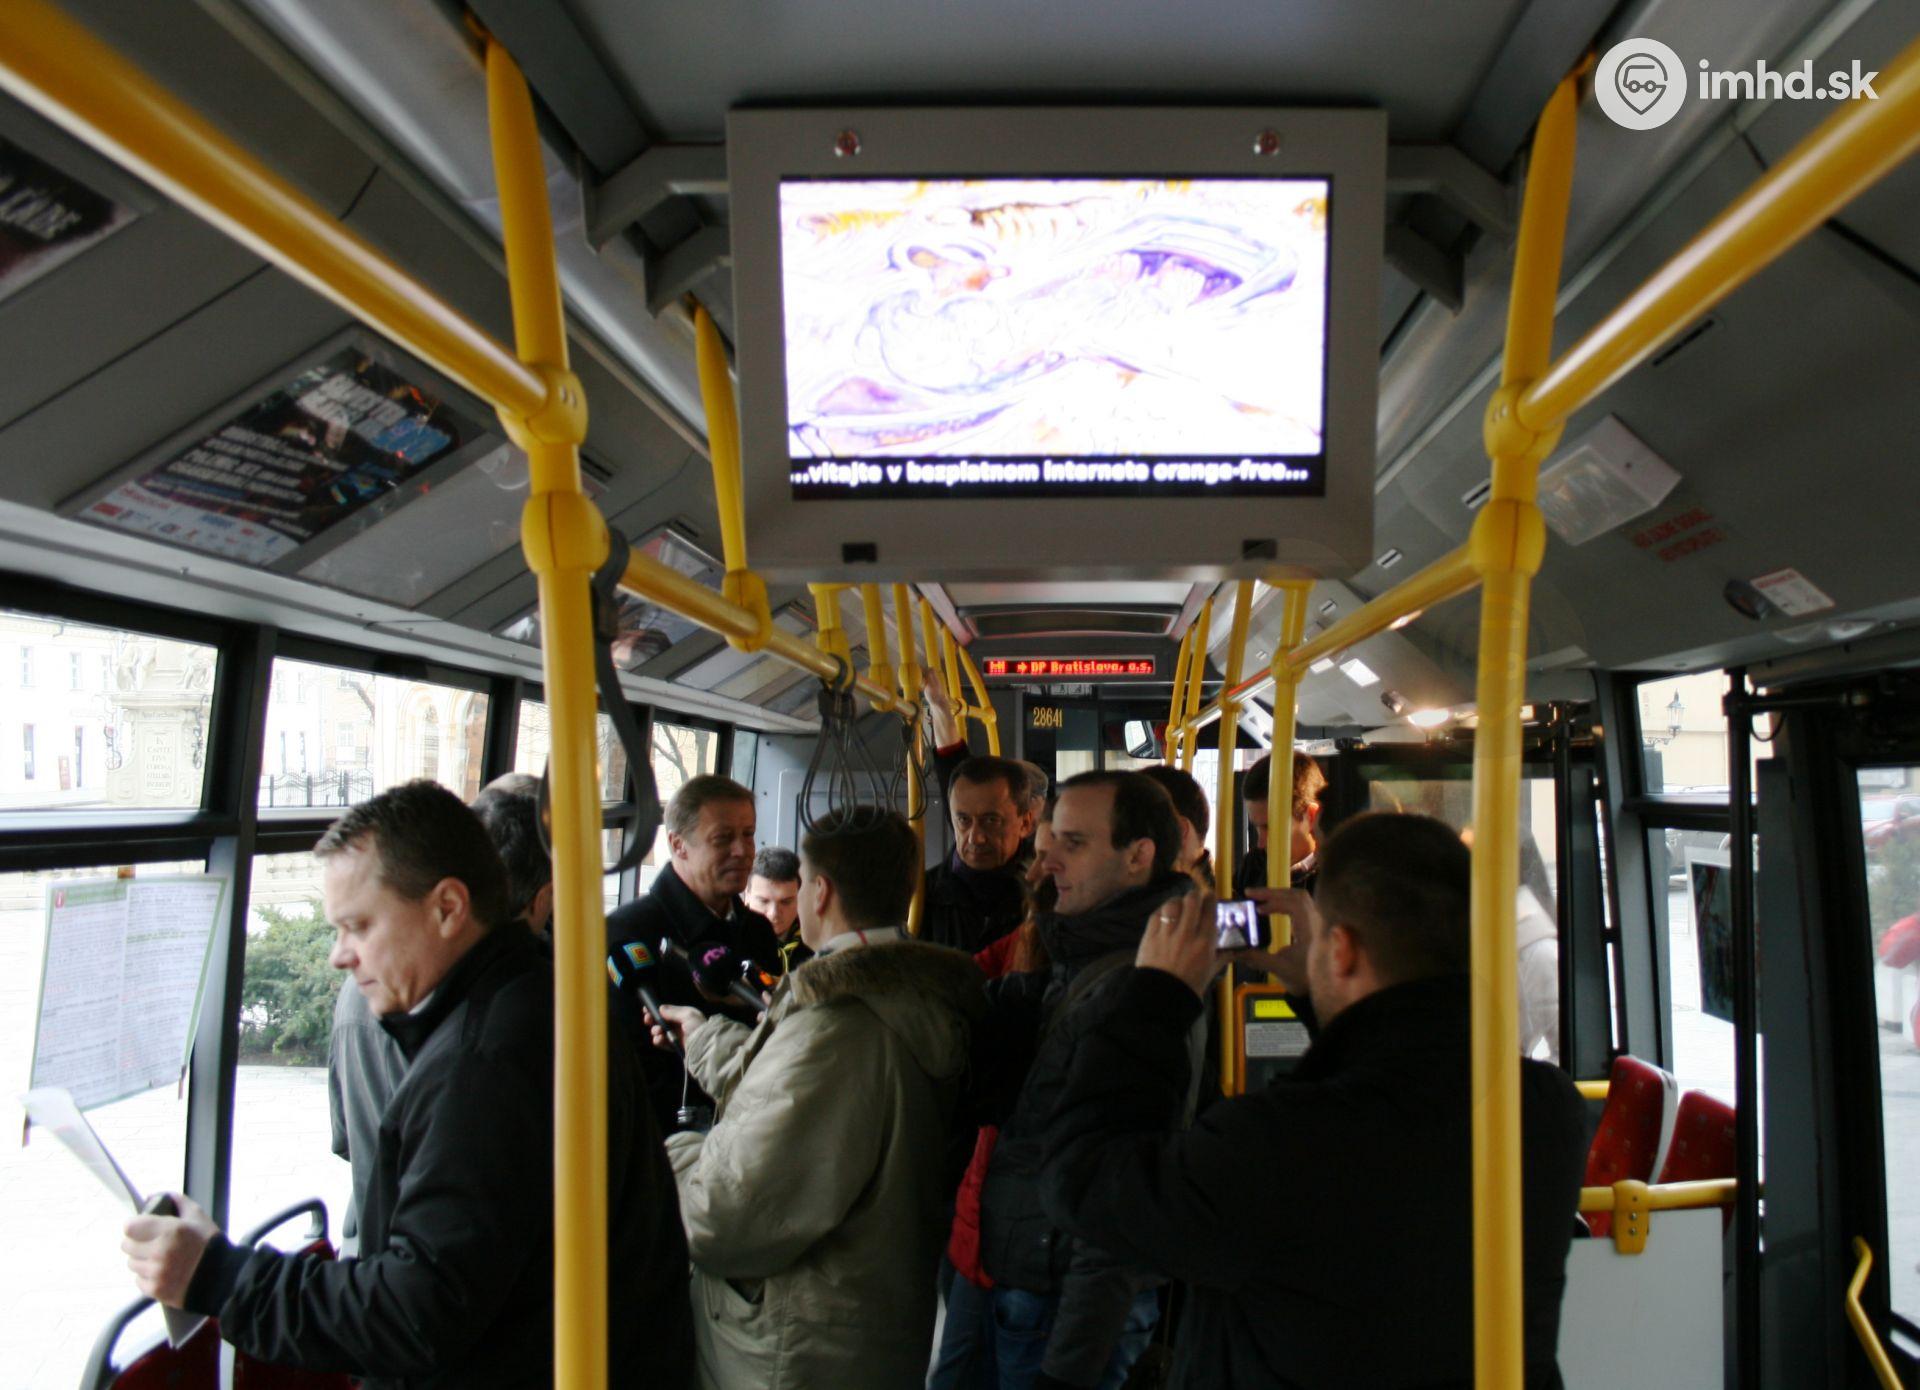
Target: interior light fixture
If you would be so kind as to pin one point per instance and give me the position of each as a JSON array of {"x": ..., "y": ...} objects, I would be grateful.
[
  {"x": 1321, "y": 667},
  {"x": 1429, "y": 718},
  {"x": 1359, "y": 672}
]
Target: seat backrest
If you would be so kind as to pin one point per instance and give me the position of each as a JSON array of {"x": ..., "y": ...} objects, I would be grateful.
[
  {"x": 1635, "y": 1128},
  {"x": 1704, "y": 1143}
]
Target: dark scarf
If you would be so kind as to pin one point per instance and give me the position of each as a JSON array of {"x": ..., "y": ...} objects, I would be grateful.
[
  {"x": 1115, "y": 925},
  {"x": 994, "y": 890}
]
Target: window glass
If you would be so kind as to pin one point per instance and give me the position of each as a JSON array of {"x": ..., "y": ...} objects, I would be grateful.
[
  {"x": 1890, "y": 820},
  {"x": 282, "y": 1127},
  {"x": 1683, "y": 735},
  {"x": 64, "y": 1275},
  {"x": 98, "y": 719},
  {"x": 534, "y": 741},
  {"x": 680, "y": 753},
  {"x": 337, "y": 736},
  {"x": 1448, "y": 797}
]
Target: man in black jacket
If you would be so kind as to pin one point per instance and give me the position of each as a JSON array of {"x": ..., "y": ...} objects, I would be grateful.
[
  {"x": 454, "y": 1284},
  {"x": 976, "y": 897},
  {"x": 1066, "y": 1313},
  {"x": 1366, "y": 1277},
  {"x": 694, "y": 900}
]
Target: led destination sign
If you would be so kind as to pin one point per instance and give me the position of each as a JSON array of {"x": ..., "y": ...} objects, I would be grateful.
[{"x": 1070, "y": 668}]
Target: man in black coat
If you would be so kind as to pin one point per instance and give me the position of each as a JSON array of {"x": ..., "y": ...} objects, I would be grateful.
[
  {"x": 977, "y": 895},
  {"x": 454, "y": 1283},
  {"x": 693, "y": 901},
  {"x": 1365, "y": 1276},
  {"x": 1066, "y": 1312}
]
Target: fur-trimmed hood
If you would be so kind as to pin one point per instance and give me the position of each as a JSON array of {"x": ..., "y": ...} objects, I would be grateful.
[{"x": 928, "y": 995}]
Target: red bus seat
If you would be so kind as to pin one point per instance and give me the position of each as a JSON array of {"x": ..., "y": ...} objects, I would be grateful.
[
  {"x": 1635, "y": 1129},
  {"x": 1704, "y": 1145}
]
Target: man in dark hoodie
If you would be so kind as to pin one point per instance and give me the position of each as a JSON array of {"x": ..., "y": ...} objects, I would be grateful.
[
  {"x": 1065, "y": 1312},
  {"x": 1368, "y": 1280},
  {"x": 454, "y": 1282}
]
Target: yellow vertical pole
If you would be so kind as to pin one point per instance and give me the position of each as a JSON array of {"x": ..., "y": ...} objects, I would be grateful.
[
  {"x": 1223, "y": 814},
  {"x": 1286, "y": 695},
  {"x": 950, "y": 663},
  {"x": 740, "y": 584},
  {"x": 1507, "y": 544},
  {"x": 988, "y": 715},
  {"x": 1196, "y": 682},
  {"x": 831, "y": 636},
  {"x": 916, "y": 791},
  {"x": 879, "y": 663},
  {"x": 1177, "y": 713},
  {"x": 930, "y": 643},
  {"x": 566, "y": 541}
]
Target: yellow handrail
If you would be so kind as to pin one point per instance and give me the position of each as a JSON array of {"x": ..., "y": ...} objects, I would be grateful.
[
  {"x": 1286, "y": 692},
  {"x": 565, "y": 540},
  {"x": 740, "y": 584},
  {"x": 1177, "y": 711},
  {"x": 1862, "y": 1326},
  {"x": 1845, "y": 154},
  {"x": 916, "y": 791},
  {"x": 1196, "y": 681},
  {"x": 1223, "y": 821},
  {"x": 1666, "y": 1196},
  {"x": 1593, "y": 1090},
  {"x": 54, "y": 65},
  {"x": 983, "y": 704},
  {"x": 879, "y": 663}
]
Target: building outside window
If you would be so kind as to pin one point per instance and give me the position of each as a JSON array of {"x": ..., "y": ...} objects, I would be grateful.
[
  {"x": 26, "y": 667},
  {"x": 73, "y": 670},
  {"x": 26, "y": 757}
]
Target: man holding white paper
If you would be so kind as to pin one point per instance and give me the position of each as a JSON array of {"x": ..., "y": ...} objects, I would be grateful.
[{"x": 454, "y": 1285}]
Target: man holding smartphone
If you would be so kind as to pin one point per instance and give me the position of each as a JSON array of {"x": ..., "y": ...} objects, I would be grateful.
[{"x": 1370, "y": 1282}]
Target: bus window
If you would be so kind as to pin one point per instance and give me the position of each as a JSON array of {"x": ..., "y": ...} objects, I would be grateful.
[
  {"x": 534, "y": 738},
  {"x": 337, "y": 736},
  {"x": 1683, "y": 736},
  {"x": 282, "y": 1130},
  {"x": 64, "y": 1274},
  {"x": 1890, "y": 822},
  {"x": 100, "y": 719},
  {"x": 680, "y": 753}
]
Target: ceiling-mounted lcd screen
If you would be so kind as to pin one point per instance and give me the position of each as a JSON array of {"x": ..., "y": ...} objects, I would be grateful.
[
  {"x": 306, "y": 453},
  {"x": 973, "y": 343},
  {"x": 1055, "y": 337}
]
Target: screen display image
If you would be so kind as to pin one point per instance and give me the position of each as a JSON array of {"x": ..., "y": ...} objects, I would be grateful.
[
  {"x": 1239, "y": 926},
  {"x": 1055, "y": 337},
  {"x": 302, "y": 459}
]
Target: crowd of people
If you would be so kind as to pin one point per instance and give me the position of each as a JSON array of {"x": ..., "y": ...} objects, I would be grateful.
[{"x": 829, "y": 1139}]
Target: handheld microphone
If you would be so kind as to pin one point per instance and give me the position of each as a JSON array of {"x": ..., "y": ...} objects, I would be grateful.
[
  {"x": 720, "y": 971},
  {"x": 629, "y": 967}
]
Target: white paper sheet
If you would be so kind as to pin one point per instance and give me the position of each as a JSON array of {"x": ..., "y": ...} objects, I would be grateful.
[{"x": 51, "y": 1108}]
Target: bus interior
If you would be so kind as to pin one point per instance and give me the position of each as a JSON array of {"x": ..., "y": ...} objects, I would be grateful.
[{"x": 1721, "y": 650}]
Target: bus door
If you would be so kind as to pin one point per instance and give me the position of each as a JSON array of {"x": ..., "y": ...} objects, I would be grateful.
[{"x": 1838, "y": 920}]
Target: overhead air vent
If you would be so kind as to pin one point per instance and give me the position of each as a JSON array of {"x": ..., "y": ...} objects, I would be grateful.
[
  {"x": 1476, "y": 496},
  {"x": 1389, "y": 558}
]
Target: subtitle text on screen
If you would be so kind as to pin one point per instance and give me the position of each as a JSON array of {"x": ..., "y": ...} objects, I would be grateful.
[{"x": 1056, "y": 477}]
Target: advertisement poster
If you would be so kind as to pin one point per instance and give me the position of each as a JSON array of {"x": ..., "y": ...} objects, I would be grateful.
[
  {"x": 302, "y": 459},
  {"x": 645, "y": 631},
  {"x": 46, "y": 218},
  {"x": 1712, "y": 886}
]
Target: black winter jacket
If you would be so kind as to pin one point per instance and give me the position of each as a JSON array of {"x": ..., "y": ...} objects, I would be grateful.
[
  {"x": 1362, "y": 1273},
  {"x": 669, "y": 909},
  {"x": 1042, "y": 1014},
  {"x": 957, "y": 914},
  {"x": 454, "y": 1286}
]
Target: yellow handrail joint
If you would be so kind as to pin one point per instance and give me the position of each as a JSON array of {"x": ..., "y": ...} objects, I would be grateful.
[
  {"x": 749, "y": 591},
  {"x": 561, "y": 418},
  {"x": 562, "y": 530},
  {"x": 1508, "y": 537}
]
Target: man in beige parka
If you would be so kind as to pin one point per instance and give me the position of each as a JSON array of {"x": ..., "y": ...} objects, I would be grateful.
[{"x": 815, "y": 1207}]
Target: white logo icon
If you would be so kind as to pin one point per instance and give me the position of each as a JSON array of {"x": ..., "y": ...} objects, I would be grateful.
[{"x": 1640, "y": 84}]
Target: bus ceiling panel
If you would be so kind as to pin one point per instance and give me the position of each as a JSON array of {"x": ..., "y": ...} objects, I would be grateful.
[
  {"x": 1323, "y": 51},
  {"x": 192, "y": 54},
  {"x": 161, "y": 391},
  {"x": 1072, "y": 620},
  {"x": 1429, "y": 376},
  {"x": 1785, "y": 419},
  {"x": 1884, "y": 214},
  {"x": 411, "y": 71},
  {"x": 1067, "y": 593}
]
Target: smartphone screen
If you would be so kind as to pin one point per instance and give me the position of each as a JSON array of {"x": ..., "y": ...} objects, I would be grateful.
[{"x": 1239, "y": 925}]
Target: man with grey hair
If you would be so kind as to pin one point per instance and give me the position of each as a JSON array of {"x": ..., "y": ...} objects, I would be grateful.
[{"x": 694, "y": 900}]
